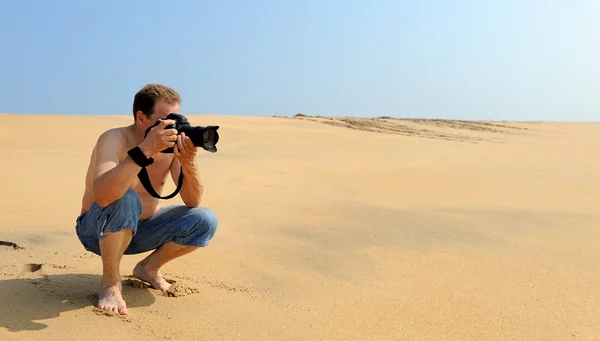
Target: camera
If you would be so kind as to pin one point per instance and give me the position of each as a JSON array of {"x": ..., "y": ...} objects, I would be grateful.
[{"x": 205, "y": 137}]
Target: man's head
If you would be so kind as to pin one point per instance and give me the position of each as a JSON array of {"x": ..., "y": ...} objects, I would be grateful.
[{"x": 154, "y": 102}]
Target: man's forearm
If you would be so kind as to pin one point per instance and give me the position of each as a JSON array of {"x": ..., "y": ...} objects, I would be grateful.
[
  {"x": 111, "y": 185},
  {"x": 192, "y": 188}
]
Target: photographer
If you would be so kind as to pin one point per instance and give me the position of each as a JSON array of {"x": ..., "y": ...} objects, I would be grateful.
[{"x": 119, "y": 216}]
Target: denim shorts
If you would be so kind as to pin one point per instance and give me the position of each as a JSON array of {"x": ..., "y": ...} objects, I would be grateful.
[{"x": 178, "y": 223}]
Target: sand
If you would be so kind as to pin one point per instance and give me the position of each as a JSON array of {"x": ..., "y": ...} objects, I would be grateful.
[{"x": 330, "y": 229}]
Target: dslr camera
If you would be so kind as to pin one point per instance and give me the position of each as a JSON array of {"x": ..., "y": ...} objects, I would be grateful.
[{"x": 205, "y": 137}]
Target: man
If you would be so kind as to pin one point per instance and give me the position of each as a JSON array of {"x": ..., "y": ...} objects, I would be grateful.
[{"x": 119, "y": 217}]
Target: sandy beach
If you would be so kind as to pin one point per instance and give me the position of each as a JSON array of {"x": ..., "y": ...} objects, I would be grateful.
[{"x": 330, "y": 229}]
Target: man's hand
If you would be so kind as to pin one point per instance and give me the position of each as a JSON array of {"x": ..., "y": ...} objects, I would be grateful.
[
  {"x": 184, "y": 150},
  {"x": 185, "y": 155},
  {"x": 159, "y": 139}
]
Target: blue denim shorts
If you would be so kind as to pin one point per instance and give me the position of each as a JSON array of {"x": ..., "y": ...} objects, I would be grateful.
[{"x": 178, "y": 223}]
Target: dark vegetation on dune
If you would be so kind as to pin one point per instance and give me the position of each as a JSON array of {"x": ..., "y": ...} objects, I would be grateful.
[{"x": 417, "y": 127}]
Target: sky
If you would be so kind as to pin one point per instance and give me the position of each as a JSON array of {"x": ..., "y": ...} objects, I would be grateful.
[{"x": 492, "y": 60}]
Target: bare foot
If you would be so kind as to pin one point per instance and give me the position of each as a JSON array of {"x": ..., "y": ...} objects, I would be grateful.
[
  {"x": 154, "y": 277},
  {"x": 110, "y": 299}
]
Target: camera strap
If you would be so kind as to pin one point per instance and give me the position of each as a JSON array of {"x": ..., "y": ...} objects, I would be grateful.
[{"x": 145, "y": 180}]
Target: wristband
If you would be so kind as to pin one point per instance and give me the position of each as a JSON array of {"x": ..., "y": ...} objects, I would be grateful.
[{"x": 138, "y": 157}]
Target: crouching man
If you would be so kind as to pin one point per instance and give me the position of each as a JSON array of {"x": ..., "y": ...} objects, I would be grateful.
[{"x": 119, "y": 217}]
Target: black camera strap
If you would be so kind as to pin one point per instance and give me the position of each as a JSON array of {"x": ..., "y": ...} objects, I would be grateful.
[
  {"x": 145, "y": 180},
  {"x": 141, "y": 160}
]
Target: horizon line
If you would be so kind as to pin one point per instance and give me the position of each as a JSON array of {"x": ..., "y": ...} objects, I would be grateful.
[{"x": 301, "y": 115}]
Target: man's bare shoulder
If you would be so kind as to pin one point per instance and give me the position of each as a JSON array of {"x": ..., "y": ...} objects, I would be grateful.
[
  {"x": 119, "y": 134},
  {"x": 114, "y": 137},
  {"x": 111, "y": 146}
]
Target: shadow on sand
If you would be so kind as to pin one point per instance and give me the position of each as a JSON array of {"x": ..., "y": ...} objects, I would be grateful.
[{"x": 24, "y": 302}]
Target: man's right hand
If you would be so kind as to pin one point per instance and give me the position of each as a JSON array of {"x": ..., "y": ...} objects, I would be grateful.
[{"x": 159, "y": 139}]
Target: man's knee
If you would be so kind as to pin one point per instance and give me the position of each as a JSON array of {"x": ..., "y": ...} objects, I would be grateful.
[
  {"x": 206, "y": 218},
  {"x": 130, "y": 201},
  {"x": 205, "y": 223},
  {"x": 122, "y": 213}
]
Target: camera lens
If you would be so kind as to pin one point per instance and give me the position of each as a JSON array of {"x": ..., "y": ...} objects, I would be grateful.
[{"x": 208, "y": 137}]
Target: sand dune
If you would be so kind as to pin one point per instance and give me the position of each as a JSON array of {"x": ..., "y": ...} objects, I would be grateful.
[{"x": 330, "y": 229}]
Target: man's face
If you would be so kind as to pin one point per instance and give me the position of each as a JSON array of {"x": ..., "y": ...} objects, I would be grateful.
[{"x": 161, "y": 110}]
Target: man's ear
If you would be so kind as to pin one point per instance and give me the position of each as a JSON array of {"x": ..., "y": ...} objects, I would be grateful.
[{"x": 140, "y": 116}]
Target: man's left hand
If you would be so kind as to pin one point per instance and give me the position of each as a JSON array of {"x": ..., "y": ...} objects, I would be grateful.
[{"x": 184, "y": 150}]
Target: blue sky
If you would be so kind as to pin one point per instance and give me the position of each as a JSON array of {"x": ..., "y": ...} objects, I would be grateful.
[{"x": 500, "y": 60}]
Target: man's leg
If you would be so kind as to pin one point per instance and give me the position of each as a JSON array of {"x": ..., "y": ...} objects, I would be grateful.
[
  {"x": 148, "y": 269},
  {"x": 111, "y": 292},
  {"x": 108, "y": 232},
  {"x": 173, "y": 232}
]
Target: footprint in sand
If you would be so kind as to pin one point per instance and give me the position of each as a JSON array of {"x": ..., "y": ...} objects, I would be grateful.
[{"x": 32, "y": 267}]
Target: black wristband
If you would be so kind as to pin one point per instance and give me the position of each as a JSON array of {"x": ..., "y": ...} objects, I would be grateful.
[{"x": 138, "y": 157}]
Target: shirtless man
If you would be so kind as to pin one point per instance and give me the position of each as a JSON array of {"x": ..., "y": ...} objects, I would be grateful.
[{"x": 119, "y": 217}]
